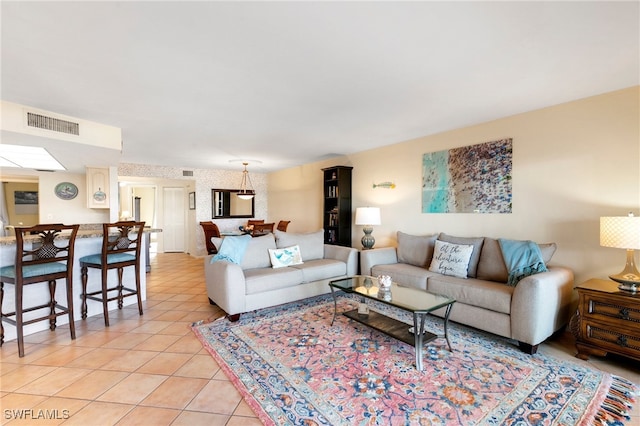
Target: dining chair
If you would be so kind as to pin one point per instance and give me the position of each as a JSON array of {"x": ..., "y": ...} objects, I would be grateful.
[
  {"x": 121, "y": 246},
  {"x": 211, "y": 230},
  {"x": 263, "y": 228},
  {"x": 45, "y": 256},
  {"x": 282, "y": 225},
  {"x": 253, "y": 222}
]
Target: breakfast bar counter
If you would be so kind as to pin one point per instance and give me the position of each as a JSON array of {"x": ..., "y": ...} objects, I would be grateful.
[
  {"x": 86, "y": 231},
  {"x": 88, "y": 241}
]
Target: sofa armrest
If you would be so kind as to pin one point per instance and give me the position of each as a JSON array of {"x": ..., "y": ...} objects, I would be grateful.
[
  {"x": 542, "y": 304},
  {"x": 225, "y": 285},
  {"x": 379, "y": 256},
  {"x": 347, "y": 255}
]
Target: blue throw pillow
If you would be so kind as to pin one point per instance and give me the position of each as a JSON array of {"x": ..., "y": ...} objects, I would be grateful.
[
  {"x": 232, "y": 249},
  {"x": 523, "y": 258}
]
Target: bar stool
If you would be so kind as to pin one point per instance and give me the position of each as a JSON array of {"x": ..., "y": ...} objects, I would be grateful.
[
  {"x": 121, "y": 244},
  {"x": 49, "y": 259}
]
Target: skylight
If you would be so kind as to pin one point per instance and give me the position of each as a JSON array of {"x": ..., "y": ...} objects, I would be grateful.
[{"x": 28, "y": 157}]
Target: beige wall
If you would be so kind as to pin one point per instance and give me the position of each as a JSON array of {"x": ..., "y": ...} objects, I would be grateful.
[
  {"x": 52, "y": 209},
  {"x": 572, "y": 163}
]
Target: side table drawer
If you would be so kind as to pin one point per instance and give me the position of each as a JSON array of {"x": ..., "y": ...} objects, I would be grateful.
[
  {"x": 599, "y": 308},
  {"x": 607, "y": 320},
  {"x": 619, "y": 340}
]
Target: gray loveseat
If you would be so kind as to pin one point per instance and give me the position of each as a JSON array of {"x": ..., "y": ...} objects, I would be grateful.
[
  {"x": 529, "y": 312},
  {"x": 255, "y": 284}
]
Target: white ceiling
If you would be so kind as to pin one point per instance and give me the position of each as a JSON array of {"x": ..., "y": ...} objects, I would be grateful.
[{"x": 197, "y": 84}]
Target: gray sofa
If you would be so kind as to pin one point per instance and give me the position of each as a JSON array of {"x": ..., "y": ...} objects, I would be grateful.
[
  {"x": 255, "y": 284},
  {"x": 529, "y": 312}
]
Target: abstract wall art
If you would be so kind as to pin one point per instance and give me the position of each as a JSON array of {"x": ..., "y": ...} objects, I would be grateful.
[{"x": 470, "y": 179}]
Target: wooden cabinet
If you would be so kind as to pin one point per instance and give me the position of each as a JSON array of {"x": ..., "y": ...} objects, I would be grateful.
[
  {"x": 97, "y": 187},
  {"x": 337, "y": 205},
  {"x": 607, "y": 320}
]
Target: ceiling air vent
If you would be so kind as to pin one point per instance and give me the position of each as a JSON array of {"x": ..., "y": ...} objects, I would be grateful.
[
  {"x": 187, "y": 173},
  {"x": 54, "y": 124}
]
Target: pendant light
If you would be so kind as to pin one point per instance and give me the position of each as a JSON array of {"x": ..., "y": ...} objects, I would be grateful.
[{"x": 246, "y": 189}]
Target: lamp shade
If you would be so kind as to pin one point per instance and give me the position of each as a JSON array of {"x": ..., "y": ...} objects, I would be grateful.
[
  {"x": 620, "y": 232},
  {"x": 368, "y": 216}
]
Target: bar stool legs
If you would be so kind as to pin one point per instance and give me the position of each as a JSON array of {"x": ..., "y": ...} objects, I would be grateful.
[
  {"x": 104, "y": 292},
  {"x": 121, "y": 248}
]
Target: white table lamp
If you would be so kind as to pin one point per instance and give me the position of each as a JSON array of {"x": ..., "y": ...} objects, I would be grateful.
[
  {"x": 368, "y": 216},
  {"x": 623, "y": 232}
]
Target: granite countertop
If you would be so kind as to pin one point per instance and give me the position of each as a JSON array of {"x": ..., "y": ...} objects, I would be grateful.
[{"x": 91, "y": 230}]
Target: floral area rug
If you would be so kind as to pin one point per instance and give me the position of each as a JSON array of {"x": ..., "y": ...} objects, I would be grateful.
[{"x": 293, "y": 367}]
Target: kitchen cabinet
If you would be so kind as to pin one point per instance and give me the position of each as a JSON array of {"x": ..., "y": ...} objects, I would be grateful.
[{"x": 97, "y": 187}]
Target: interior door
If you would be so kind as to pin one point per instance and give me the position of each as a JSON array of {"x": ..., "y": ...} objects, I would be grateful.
[{"x": 174, "y": 211}]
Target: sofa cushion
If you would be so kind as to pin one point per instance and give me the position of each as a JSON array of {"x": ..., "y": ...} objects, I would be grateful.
[
  {"x": 311, "y": 244},
  {"x": 257, "y": 254},
  {"x": 217, "y": 241},
  {"x": 414, "y": 249},
  {"x": 451, "y": 259},
  {"x": 266, "y": 279},
  {"x": 548, "y": 250},
  {"x": 470, "y": 291},
  {"x": 402, "y": 273},
  {"x": 491, "y": 265},
  {"x": 477, "y": 248},
  {"x": 321, "y": 269},
  {"x": 285, "y": 256}
]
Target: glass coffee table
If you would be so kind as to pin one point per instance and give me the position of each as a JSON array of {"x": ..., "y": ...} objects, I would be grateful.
[{"x": 418, "y": 302}]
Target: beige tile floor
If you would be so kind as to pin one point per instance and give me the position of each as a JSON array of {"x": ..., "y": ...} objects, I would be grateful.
[{"x": 150, "y": 369}]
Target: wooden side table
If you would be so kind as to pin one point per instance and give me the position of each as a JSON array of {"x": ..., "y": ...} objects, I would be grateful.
[{"x": 607, "y": 320}]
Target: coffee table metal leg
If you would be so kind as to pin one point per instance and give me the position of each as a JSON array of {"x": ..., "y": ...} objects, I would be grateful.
[
  {"x": 446, "y": 322},
  {"x": 417, "y": 336},
  {"x": 335, "y": 306}
]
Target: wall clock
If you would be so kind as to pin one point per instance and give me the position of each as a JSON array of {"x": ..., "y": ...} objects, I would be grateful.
[{"x": 66, "y": 190}]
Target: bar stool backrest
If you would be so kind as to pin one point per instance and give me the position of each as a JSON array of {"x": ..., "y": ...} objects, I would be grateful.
[
  {"x": 36, "y": 264},
  {"x": 121, "y": 242}
]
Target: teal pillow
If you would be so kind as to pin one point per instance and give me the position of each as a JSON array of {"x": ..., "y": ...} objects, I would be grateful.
[
  {"x": 232, "y": 249},
  {"x": 523, "y": 258}
]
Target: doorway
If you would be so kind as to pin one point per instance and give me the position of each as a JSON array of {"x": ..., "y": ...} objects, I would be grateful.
[
  {"x": 18, "y": 203},
  {"x": 174, "y": 229},
  {"x": 163, "y": 205}
]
